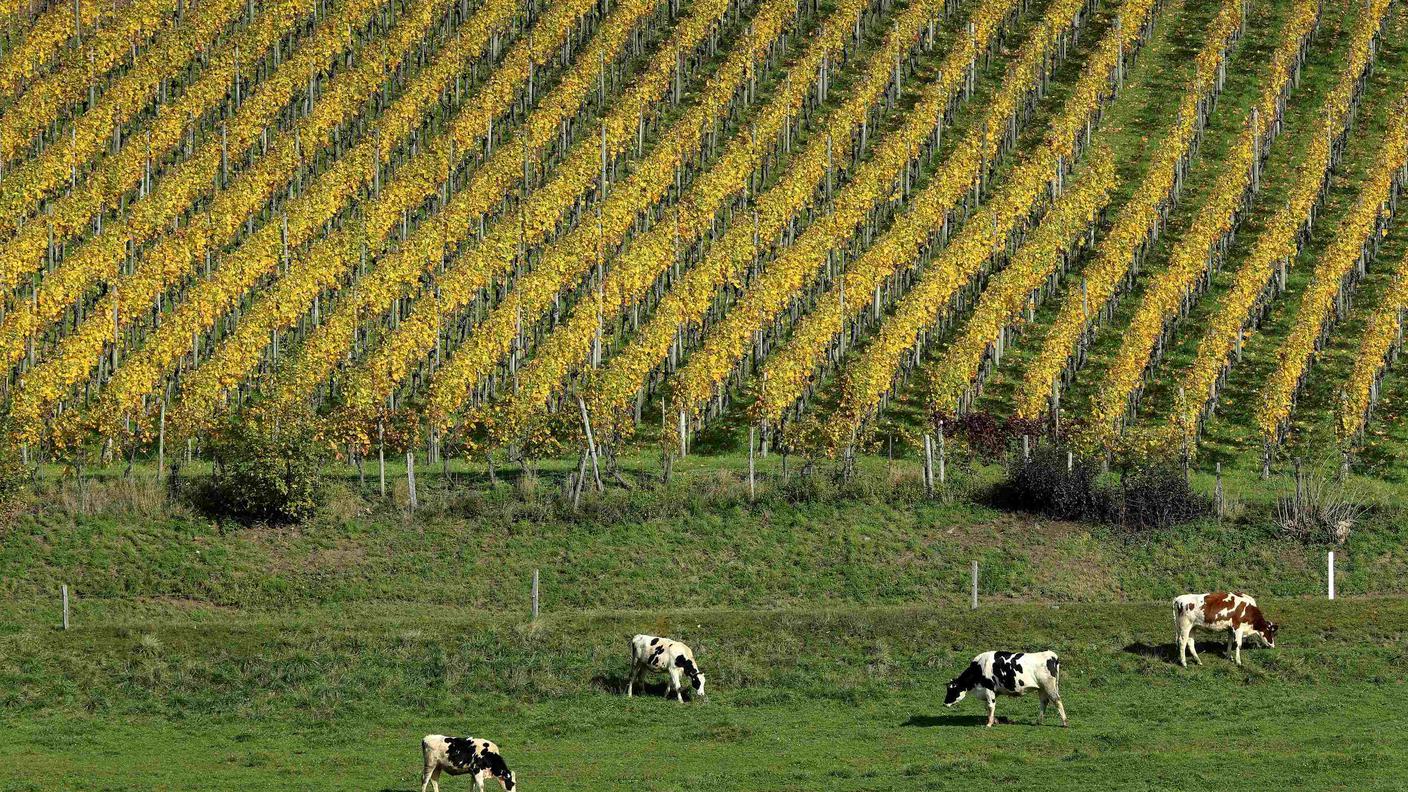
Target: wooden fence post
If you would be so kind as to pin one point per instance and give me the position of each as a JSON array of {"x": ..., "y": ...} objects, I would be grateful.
[
  {"x": 1217, "y": 489},
  {"x": 1331, "y": 569},
  {"x": 381, "y": 454},
  {"x": 928, "y": 465},
  {"x": 975, "y": 586},
  {"x": 65, "y": 594},
  {"x": 943, "y": 467},
  {"x": 411, "y": 477},
  {"x": 752, "y": 487},
  {"x": 161, "y": 443}
]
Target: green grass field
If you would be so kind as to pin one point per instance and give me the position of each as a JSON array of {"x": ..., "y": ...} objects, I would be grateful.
[
  {"x": 206, "y": 655},
  {"x": 833, "y": 698}
]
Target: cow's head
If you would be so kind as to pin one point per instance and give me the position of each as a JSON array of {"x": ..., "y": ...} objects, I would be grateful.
[
  {"x": 508, "y": 781},
  {"x": 696, "y": 679},
  {"x": 1267, "y": 631},
  {"x": 955, "y": 692}
]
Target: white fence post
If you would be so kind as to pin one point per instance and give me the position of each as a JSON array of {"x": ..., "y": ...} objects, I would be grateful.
[
  {"x": 535, "y": 595},
  {"x": 975, "y": 585},
  {"x": 411, "y": 478},
  {"x": 1331, "y": 566},
  {"x": 65, "y": 592}
]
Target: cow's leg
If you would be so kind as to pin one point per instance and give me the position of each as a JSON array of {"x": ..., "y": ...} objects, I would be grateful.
[
  {"x": 675, "y": 684},
  {"x": 1041, "y": 707},
  {"x": 431, "y": 778},
  {"x": 989, "y": 698},
  {"x": 631, "y": 680},
  {"x": 1237, "y": 654},
  {"x": 1050, "y": 691},
  {"x": 479, "y": 781},
  {"x": 1191, "y": 644}
]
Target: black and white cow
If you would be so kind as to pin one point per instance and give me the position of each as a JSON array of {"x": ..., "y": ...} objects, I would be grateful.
[
  {"x": 664, "y": 656},
  {"x": 479, "y": 759},
  {"x": 1010, "y": 674}
]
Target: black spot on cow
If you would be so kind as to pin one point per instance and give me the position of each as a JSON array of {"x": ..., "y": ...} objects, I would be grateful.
[
  {"x": 654, "y": 641},
  {"x": 1053, "y": 666},
  {"x": 1005, "y": 669},
  {"x": 461, "y": 752}
]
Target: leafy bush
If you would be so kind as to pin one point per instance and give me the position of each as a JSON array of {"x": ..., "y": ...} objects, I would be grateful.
[
  {"x": 988, "y": 436},
  {"x": 1159, "y": 496},
  {"x": 1043, "y": 484},
  {"x": 1070, "y": 488},
  {"x": 14, "y": 480},
  {"x": 265, "y": 470}
]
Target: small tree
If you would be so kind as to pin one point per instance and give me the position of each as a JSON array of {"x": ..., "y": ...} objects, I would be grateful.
[{"x": 266, "y": 468}]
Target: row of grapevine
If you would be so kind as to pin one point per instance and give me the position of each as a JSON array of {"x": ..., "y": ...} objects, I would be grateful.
[
  {"x": 165, "y": 202},
  {"x": 52, "y": 94},
  {"x": 1378, "y": 349},
  {"x": 1172, "y": 292},
  {"x": 1262, "y": 275},
  {"x": 570, "y": 257},
  {"x": 815, "y": 340},
  {"x": 730, "y": 258},
  {"x": 574, "y": 177},
  {"x": 45, "y": 39},
  {"x": 133, "y": 294},
  {"x": 983, "y": 241},
  {"x": 1043, "y": 256},
  {"x": 26, "y": 187},
  {"x": 425, "y": 174},
  {"x": 1355, "y": 242},
  {"x": 647, "y": 257},
  {"x": 1061, "y": 350},
  {"x": 877, "y": 183},
  {"x": 502, "y": 247}
]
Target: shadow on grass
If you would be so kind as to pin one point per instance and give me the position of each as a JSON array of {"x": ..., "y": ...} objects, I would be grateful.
[
  {"x": 927, "y": 721},
  {"x": 616, "y": 685},
  {"x": 1169, "y": 652}
]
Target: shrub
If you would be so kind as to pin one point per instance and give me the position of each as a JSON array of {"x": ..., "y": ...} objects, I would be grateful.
[
  {"x": 1043, "y": 484},
  {"x": 1322, "y": 510},
  {"x": 1159, "y": 496},
  {"x": 265, "y": 470},
  {"x": 14, "y": 479},
  {"x": 1148, "y": 496}
]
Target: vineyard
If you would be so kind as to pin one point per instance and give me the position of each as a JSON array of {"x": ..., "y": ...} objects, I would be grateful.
[{"x": 453, "y": 228}]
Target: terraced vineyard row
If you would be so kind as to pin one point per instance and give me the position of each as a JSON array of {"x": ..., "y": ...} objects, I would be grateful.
[{"x": 490, "y": 224}]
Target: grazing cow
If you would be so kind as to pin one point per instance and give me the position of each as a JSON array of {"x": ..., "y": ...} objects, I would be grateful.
[
  {"x": 664, "y": 656},
  {"x": 1221, "y": 610},
  {"x": 479, "y": 759},
  {"x": 1010, "y": 674}
]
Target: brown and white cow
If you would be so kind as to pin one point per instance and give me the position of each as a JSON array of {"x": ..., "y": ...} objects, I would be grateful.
[
  {"x": 664, "y": 656},
  {"x": 479, "y": 759},
  {"x": 1233, "y": 612}
]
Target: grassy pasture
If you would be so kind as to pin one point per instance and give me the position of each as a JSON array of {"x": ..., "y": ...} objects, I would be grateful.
[{"x": 160, "y": 697}]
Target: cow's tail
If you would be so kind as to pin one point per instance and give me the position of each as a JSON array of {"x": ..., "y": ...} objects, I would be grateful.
[{"x": 632, "y": 642}]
